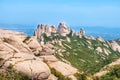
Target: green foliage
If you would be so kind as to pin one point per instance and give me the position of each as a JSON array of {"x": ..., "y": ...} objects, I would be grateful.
[
  {"x": 84, "y": 58},
  {"x": 114, "y": 73},
  {"x": 59, "y": 75},
  {"x": 6, "y": 40},
  {"x": 1, "y": 59},
  {"x": 80, "y": 76},
  {"x": 46, "y": 39},
  {"x": 12, "y": 75},
  {"x": 27, "y": 38}
]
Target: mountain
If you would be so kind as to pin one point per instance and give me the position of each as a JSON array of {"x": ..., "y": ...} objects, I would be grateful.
[{"x": 58, "y": 54}]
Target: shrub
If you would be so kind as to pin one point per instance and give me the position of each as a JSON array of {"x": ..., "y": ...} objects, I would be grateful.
[
  {"x": 6, "y": 40},
  {"x": 27, "y": 38},
  {"x": 59, "y": 75},
  {"x": 80, "y": 76}
]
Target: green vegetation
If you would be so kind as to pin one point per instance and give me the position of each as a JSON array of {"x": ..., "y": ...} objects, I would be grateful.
[
  {"x": 59, "y": 75},
  {"x": 113, "y": 74},
  {"x": 10, "y": 73},
  {"x": 80, "y": 76},
  {"x": 6, "y": 40},
  {"x": 27, "y": 38},
  {"x": 54, "y": 36},
  {"x": 82, "y": 53},
  {"x": 86, "y": 59}
]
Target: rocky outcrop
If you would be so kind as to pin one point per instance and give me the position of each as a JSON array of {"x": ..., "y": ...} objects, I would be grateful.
[
  {"x": 53, "y": 29},
  {"x": 64, "y": 68},
  {"x": 100, "y": 39},
  {"x": 63, "y": 29},
  {"x": 115, "y": 46},
  {"x": 41, "y": 29},
  {"x": 44, "y": 29},
  {"x": 27, "y": 64},
  {"x": 81, "y": 33},
  {"x": 33, "y": 44},
  {"x": 46, "y": 32},
  {"x": 15, "y": 53}
]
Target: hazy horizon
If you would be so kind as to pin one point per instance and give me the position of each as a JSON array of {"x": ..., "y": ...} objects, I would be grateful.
[{"x": 74, "y": 12}]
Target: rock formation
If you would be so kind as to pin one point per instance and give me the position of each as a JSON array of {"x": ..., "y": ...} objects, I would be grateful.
[
  {"x": 18, "y": 54},
  {"x": 115, "y": 46},
  {"x": 20, "y": 50},
  {"x": 63, "y": 29},
  {"x": 81, "y": 33},
  {"x": 56, "y": 53},
  {"x": 100, "y": 39},
  {"x": 53, "y": 29}
]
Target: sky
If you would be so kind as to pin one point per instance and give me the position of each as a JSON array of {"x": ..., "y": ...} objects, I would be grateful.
[{"x": 74, "y": 12}]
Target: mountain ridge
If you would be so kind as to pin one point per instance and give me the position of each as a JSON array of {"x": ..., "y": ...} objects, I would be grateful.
[{"x": 62, "y": 53}]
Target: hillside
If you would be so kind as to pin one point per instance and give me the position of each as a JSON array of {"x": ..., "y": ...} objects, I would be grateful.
[
  {"x": 57, "y": 54},
  {"x": 86, "y": 53}
]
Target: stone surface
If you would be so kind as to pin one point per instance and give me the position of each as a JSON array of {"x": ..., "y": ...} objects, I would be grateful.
[
  {"x": 49, "y": 58},
  {"x": 16, "y": 53},
  {"x": 64, "y": 68},
  {"x": 29, "y": 65},
  {"x": 99, "y": 49},
  {"x": 63, "y": 29},
  {"x": 115, "y": 46},
  {"x": 46, "y": 50},
  {"x": 52, "y": 77},
  {"x": 34, "y": 45},
  {"x": 100, "y": 39},
  {"x": 10, "y": 34}
]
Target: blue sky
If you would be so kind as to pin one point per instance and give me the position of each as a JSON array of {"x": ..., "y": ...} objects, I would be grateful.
[{"x": 74, "y": 12}]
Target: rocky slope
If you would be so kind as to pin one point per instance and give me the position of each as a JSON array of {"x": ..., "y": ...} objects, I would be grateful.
[
  {"x": 57, "y": 54},
  {"x": 22, "y": 53},
  {"x": 86, "y": 53}
]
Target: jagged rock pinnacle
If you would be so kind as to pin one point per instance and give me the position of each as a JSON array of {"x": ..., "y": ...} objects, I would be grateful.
[{"x": 63, "y": 29}]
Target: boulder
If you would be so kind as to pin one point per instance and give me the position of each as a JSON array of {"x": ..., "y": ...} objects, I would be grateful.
[
  {"x": 34, "y": 45},
  {"x": 17, "y": 43},
  {"x": 49, "y": 58},
  {"x": 46, "y": 51},
  {"x": 99, "y": 49},
  {"x": 52, "y": 77},
  {"x": 63, "y": 68},
  {"x": 10, "y": 34},
  {"x": 29, "y": 65}
]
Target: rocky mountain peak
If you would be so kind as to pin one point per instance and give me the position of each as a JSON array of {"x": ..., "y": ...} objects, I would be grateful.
[
  {"x": 53, "y": 28},
  {"x": 63, "y": 29},
  {"x": 44, "y": 29},
  {"x": 81, "y": 33}
]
